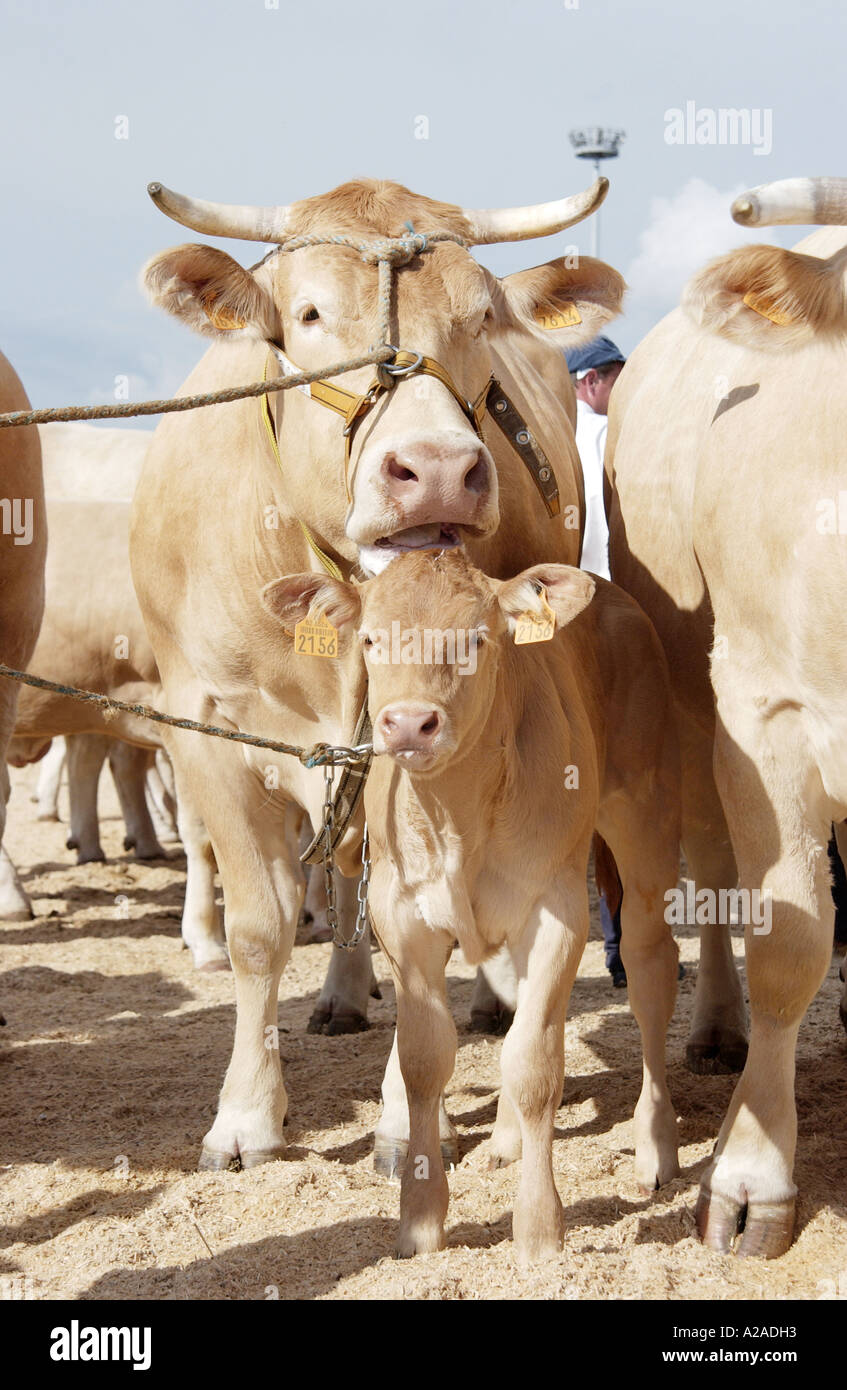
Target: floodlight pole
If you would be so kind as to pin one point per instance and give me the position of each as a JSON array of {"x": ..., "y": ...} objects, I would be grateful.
[{"x": 596, "y": 143}]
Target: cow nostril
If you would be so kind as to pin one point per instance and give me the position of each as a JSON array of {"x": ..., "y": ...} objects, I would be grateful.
[
  {"x": 431, "y": 724},
  {"x": 397, "y": 470},
  {"x": 476, "y": 478}
]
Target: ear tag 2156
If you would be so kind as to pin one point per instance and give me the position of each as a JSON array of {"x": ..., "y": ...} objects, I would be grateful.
[
  {"x": 535, "y": 627},
  {"x": 315, "y": 637}
]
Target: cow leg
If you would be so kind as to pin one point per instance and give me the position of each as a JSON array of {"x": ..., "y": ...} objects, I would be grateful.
[
  {"x": 717, "y": 1041},
  {"x": 492, "y": 1001},
  {"x": 86, "y": 753},
  {"x": 533, "y": 1057},
  {"x": 14, "y": 903},
  {"x": 780, "y": 825},
  {"x": 255, "y": 846},
  {"x": 350, "y": 982},
  {"x": 129, "y": 767},
  {"x": 161, "y": 797},
  {"x": 644, "y": 839},
  {"x": 391, "y": 1139},
  {"x": 202, "y": 929},
  {"x": 50, "y": 781},
  {"x": 314, "y": 905}
]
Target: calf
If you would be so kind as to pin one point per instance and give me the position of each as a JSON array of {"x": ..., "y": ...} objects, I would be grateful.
[{"x": 498, "y": 762}]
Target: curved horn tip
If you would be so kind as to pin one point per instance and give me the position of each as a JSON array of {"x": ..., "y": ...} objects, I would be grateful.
[{"x": 742, "y": 210}]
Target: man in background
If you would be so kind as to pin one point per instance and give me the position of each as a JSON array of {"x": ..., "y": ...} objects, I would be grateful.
[{"x": 594, "y": 369}]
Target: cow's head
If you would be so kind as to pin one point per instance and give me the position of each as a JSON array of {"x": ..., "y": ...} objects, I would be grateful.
[
  {"x": 432, "y": 630},
  {"x": 419, "y": 474}
]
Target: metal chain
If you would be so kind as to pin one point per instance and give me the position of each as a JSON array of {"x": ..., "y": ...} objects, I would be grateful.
[{"x": 343, "y": 943}]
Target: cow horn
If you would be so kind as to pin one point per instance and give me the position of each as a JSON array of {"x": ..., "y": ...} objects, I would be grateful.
[
  {"x": 221, "y": 219},
  {"x": 539, "y": 219},
  {"x": 812, "y": 202}
]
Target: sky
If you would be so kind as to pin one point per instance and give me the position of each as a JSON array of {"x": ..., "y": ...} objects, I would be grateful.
[{"x": 269, "y": 101}]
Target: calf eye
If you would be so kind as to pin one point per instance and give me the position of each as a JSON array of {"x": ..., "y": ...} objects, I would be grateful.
[{"x": 310, "y": 315}]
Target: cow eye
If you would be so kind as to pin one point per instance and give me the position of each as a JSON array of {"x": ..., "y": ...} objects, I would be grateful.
[{"x": 310, "y": 315}]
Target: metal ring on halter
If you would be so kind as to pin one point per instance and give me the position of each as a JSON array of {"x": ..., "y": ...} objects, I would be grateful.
[{"x": 401, "y": 371}]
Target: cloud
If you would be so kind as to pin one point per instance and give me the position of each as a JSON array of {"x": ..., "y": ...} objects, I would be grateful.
[{"x": 684, "y": 232}]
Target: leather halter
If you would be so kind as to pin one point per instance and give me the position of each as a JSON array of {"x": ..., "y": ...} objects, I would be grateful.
[{"x": 492, "y": 399}]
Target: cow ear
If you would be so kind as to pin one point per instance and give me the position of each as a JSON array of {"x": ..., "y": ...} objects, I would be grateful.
[
  {"x": 299, "y": 595},
  {"x": 210, "y": 292},
  {"x": 767, "y": 297},
  {"x": 565, "y": 302},
  {"x": 567, "y": 590}
]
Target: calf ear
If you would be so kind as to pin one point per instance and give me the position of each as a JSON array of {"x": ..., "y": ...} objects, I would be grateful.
[
  {"x": 299, "y": 595},
  {"x": 564, "y": 303},
  {"x": 210, "y": 292},
  {"x": 767, "y": 297},
  {"x": 568, "y": 591}
]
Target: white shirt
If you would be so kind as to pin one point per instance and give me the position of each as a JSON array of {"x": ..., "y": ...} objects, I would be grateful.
[{"x": 591, "y": 443}]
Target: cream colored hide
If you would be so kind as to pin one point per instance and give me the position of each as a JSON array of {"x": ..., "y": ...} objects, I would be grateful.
[
  {"x": 216, "y": 519},
  {"x": 726, "y": 460},
  {"x": 495, "y": 761},
  {"x": 23, "y": 544}
]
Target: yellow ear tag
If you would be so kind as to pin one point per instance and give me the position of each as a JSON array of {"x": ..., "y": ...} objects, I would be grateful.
[
  {"x": 535, "y": 627},
  {"x": 221, "y": 318},
  {"x": 315, "y": 637},
  {"x": 564, "y": 318},
  {"x": 760, "y": 305}
]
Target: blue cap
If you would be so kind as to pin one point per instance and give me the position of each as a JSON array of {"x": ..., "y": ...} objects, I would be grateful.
[{"x": 600, "y": 352}]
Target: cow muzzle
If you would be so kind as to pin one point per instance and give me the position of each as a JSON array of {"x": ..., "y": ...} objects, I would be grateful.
[{"x": 414, "y": 733}]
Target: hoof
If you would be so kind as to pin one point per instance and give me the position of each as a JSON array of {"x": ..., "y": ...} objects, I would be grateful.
[
  {"x": 129, "y": 843},
  {"x": 96, "y": 857},
  {"x": 768, "y": 1229},
  {"x": 332, "y": 1024},
  {"x": 18, "y": 914},
  {"x": 213, "y": 1161},
  {"x": 45, "y": 815},
  {"x": 716, "y": 1058},
  {"x": 254, "y": 1158},
  {"x": 497, "y": 1023},
  {"x": 390, "y": 1157},
  {"x": 718, "y": 1220},
  {"x": 376, "y": 992}
]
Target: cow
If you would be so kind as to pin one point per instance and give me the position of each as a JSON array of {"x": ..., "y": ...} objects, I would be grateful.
[
  {"x": 23, "y": 546},
  {"x": 136, "y": 774},
  {"x": 232, "y": 497},
  {"x": 725, "y": 461},
  {"x": 497, "y": 753},
  {"x": 92, "y": 637}
]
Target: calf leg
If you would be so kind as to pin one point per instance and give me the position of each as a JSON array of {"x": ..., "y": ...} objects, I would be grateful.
[
  {"x": 717, "y": 1041},
  {"x": 780, "y": 825},
  {"x": 86, "y": 753},
  {"x": 644, "y": 839},
  {"x": 391, "y": 1140},
  {"x": 161, "y": 797},
  {"x": 129, "y": 766},
  {"x": 533, "y": 1056},
  {"x": 426, "y": 1047}
]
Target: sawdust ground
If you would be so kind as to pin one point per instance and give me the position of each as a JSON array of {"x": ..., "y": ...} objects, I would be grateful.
[{"x": 114, "y": 1052}]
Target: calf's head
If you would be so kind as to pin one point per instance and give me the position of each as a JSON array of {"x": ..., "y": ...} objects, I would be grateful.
[
  {"x": 433, "y": 630},
  {"x": 419, "y": 475}
]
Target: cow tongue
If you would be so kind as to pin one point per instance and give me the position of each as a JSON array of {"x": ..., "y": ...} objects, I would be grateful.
[{"x": 414, "y": 537}]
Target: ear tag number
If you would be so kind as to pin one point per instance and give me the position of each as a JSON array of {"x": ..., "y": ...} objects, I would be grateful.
[
  {"x": 535, "y": 627},
  {"x": 567, "y": 317},
  {"x": 315, "y": 637},
  {"x": 760, "y": 304}
]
